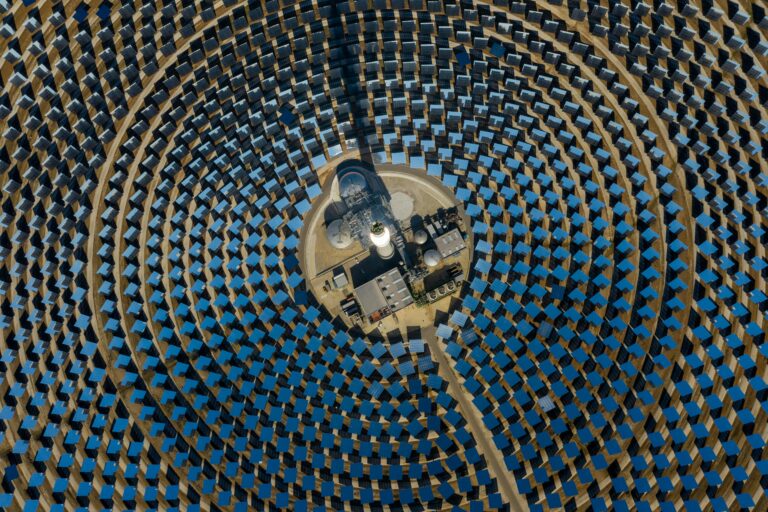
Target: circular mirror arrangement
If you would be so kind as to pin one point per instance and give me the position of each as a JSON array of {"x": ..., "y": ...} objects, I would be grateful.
[{"x": 384, "y": 255}]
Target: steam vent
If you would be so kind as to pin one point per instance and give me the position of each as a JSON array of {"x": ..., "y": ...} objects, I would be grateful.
[{"x": 383, "y": 255}]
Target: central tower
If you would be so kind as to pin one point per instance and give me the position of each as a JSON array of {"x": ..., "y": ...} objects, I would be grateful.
[
  {"x": 382, "y": 239},
  {"x": 365, "y": 210}
]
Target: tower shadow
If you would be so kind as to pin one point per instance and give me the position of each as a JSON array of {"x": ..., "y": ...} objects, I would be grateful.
[{"x": 345, "y": 51}]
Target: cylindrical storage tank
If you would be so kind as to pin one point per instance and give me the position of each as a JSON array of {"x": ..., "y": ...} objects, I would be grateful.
[
  {"x": 431, "y": 258},
  {"x": 421, "y": 237},
  {"x": 339, "y": 234}
]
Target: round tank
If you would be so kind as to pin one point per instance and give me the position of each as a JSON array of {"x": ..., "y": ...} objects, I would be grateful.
[
  {"x": 431, "y": 258},
  {"x": 421, "y": 237},
  {"x": 402, "y": 206},
  {"x": 339, "y": 234}
]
